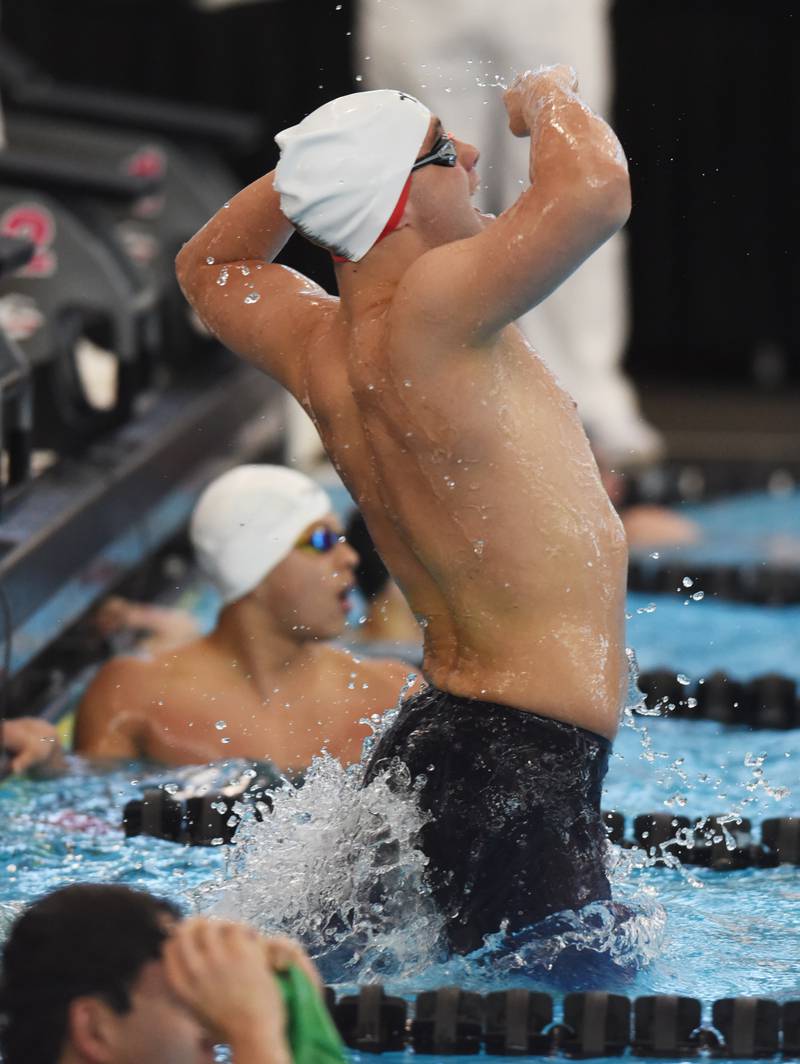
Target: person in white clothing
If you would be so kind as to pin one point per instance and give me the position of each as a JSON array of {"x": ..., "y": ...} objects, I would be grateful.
[{"x": 458, "y": 55}]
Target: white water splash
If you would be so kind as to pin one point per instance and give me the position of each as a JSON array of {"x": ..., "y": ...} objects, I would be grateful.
[{"x": 338, "y": 866}]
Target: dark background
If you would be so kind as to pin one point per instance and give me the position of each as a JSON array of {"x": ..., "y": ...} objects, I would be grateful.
[{"x": 707, "y": 107}]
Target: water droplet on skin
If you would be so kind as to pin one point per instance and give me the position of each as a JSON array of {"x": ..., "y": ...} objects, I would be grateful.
[
  {"x": 253, "y": 297},
  {"x": 221, "y": 725},
  {"x": 477, "y": 546},
  {"x": 210, "y": 260},
  {"x": 245, "y": 271},
  {"x": 226, "y": 739},
  {"x": 222, "y": 279},
  {"x": 406, "y": 384}
]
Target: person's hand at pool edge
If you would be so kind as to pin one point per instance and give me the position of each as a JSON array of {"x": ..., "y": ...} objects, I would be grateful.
[{"x": 32, "y": 746}]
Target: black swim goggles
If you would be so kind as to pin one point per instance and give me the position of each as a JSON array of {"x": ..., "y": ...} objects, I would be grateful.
[
  {"x": 321, "y": 540},
  {"x": 443, "y": 153}
]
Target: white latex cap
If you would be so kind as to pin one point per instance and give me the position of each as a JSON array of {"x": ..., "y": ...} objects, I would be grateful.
[
  {"x": 248, "y": 520},
  {"x": 342, "y": 168}
]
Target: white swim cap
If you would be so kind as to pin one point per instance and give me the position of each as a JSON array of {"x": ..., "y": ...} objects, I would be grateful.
[
  {"x": 248, "y": 520},
  {"x": 343, "y": 168}
]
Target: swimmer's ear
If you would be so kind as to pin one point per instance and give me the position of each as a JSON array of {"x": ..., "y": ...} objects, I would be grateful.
[{"x": 92, "y": 1029}]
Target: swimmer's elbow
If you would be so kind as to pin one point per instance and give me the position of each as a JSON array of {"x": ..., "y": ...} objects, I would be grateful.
[
  {"x": 608, "y": 189},
  {"x": 187, "y": 270}
]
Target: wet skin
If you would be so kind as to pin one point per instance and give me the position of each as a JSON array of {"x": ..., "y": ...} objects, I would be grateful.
[
  {"x": 467, "y": 459},
  {"x": 266, "y": 671}
]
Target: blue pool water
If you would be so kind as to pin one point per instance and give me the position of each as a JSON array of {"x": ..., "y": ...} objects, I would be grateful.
[{"x": 711, "y": 934}]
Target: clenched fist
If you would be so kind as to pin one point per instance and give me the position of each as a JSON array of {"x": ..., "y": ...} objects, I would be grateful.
[{"x": 521, "y": 97}]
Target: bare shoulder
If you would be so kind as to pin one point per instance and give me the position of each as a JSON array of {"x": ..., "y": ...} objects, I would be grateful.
[
  {"x": 111, "y": 712},
  {"x": 119, "y": 679},
  {"x": 388, "y": 677},
  {"x": 267, "y": 313}
]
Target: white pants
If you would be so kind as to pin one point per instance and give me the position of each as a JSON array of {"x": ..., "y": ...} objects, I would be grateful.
[{"x": 451, "y": 54}]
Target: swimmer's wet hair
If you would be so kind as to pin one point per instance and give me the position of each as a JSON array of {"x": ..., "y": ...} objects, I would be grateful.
[{"x": 84, "y": 940}]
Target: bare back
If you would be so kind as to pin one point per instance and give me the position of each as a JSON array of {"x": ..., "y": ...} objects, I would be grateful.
[
  {"x": 478, "y": 484},
  {"x": 467, "y": 459}
]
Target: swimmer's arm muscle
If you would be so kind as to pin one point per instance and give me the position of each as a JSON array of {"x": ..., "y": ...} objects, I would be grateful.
[
  {"x": 264, "y": 312},
  {"x": 579, "y": 196}
]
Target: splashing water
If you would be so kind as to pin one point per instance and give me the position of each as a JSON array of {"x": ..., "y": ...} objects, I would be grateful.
[{"x": 339, "y": 867}]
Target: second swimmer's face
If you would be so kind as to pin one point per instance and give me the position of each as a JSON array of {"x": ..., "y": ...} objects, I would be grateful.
[
  {"x": 440, "y": 199},
  {"x": 308, "y": 592}
]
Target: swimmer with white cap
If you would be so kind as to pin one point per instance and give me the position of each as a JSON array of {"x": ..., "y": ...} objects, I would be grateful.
[
  {"x": 466, "y": 457},
  {"x": 265, "y": 684}
]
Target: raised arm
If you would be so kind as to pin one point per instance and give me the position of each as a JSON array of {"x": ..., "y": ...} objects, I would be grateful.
[
  {"x": 264, "y": 312},
  {"x": 579, "y": 195}
]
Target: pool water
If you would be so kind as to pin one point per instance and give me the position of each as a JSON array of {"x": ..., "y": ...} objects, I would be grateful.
[{"x": 704, "y": 934}]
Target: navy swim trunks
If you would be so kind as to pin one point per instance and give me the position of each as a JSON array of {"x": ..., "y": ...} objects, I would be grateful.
[{"x": 514, "y": 798}]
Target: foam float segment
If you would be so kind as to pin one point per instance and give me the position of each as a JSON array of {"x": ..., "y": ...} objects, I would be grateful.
[
  {"x": 790, "y": 1045},
  {"x": 721, "y": 699},
  {"x": 772, "y": 585},
  {"x": 515, "y": 1022},
  {"x": 653, "y": 830},
  {"x": 666, "y": 1026},
  {"x": 771, "y": 701},
  {"x": 614, "y": 823},
  {"x": 781, "y": 835},
  {"x": 749, "y": 1027},
  {"x": 595, "y": 1024},
  {"x": 372, "y": 1022},
  {"x": 447, "y": 1021},
  {"x": 210, "y": 819},
  {"x": 155, "y": 814},
  {"x": 661, "y": 689},
  {"x": 722, "y": 581},
  {"x": 721, "y": 844}
]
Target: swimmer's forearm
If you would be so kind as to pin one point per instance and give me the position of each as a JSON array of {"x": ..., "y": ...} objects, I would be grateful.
[
  {"x": 251, "y": 227},
  {"x": 568, "y": 140}
]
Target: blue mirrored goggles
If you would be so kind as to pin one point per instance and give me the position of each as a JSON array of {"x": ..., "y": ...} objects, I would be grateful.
[
  {"x": 443, "y": 153},
  {"x": 321, "y": 540}
]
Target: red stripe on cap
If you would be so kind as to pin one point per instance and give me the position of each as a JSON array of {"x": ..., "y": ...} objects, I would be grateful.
[{"x": 394, "y": 218}]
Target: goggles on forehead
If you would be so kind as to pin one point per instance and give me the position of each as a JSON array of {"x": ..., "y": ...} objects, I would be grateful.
[
  {"x": 321, "y": 540},
  {"x": 443, "y": 153}
]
